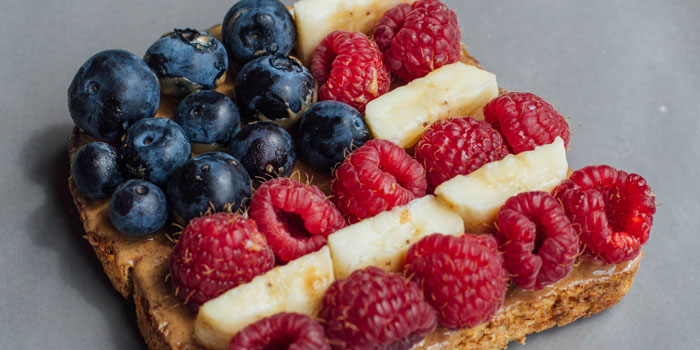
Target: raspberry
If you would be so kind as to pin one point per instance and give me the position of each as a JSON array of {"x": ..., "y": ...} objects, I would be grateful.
[
  {"x": 416, "y": 39},
  {"x": 373, "y": 309},
  {"x": 376, "y": 177},
  {"x": 462, "y": 277},
  {"x": 295, "y": 218},
  {"x": 526, "y": 120},
  {"x": 216, "y": 253},
  {"x": 539, "y": 243},
  {"x": 612, "y": 210},
  {"x": 458, "y": 146},
  {"x": 349, "y": 68},
  {"x": 282, "y": 331}
]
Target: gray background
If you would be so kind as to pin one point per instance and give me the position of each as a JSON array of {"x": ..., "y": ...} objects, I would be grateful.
[{"x": 626, "y": 73}]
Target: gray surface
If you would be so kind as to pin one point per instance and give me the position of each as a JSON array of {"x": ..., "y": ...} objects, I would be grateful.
[{"x": 627, "y": 73}]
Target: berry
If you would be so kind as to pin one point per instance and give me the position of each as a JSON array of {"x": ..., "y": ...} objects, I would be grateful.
[
  {"x": 539, "y": 243},
  {"x": 376, "y": 177},
  {"x": 212, "y": 180},
  {"x": 285, "y": 330},
  {"x": 458, "y": 146},
  {"x": 95, "y": 170},
  {"x": 112, "y": 90},
  {"x": 416, "y": 39},
  {"x": 254, "y": 28},
  {"x": 216, "y": 253},
  {"x": 462, "y": 277},
  {"x": 208, "y": 118},
  {"x": 328, "y": 132},
  {"x": 612, "y": 211},
  {"x": 275, "y": 88},
  {"x": 526, "y": 121},
  {"x": 295, "y": 218},
  {"x": 187, "y": 60},
  {"x": 138, "y": 208},
  {"x": 153, "y": 148},
  {"x": 373, "y": 309},
  {"x": 349, "y": 68},
  {"x": 265, "y": 150}
]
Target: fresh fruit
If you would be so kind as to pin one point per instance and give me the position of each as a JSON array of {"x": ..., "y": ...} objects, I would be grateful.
[
  {"x": 376, "y": 177},
  {"x": 212, "y": 180},
  {"x": 138, "y": 208},
  {"x": 295, "y": 218},
  {"x": 526, "y": 120},
  {"x": 458, "y": 146},
  {"x": 254, "y": 28},
  {"x": 328, "y": 132},
  {"x": 315, "y": 19},
  {"x": 153, "y": 149},
  {"x": 265, "y": 150},
  {"x": 373, "y": 309},
  {"x": 187, "y": 60},
  {"x": 419, "y": 38},
  {"x": 402, "y": 115},
  {"x": 611, "y": 210},
  {"x": 463, "y": 277},
  {"x": 295, "y": 287},
  {"x": 95, "y": 170},
  {"x": 478, "y": 196},
  {"x": 286, "y": 330},
  {"x": 275, "y": 88},
  {"x": 383, "y": 240},
  {"x": 112, "y": 90},
  {"x": 349, "y": 68},
  {"x": 539, "y": 243},
  {"x": 208, "y": 118},
  {"x": 216, "y": 253}
]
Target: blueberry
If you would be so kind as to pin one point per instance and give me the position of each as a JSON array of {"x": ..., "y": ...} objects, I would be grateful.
[
  {"x": 208, "y": 118},
  {"x": 153, "y": 148},
  {"x": 254, "y": 28},
  {"x": 96, "y": 170},
  {"x": 187, "y": 60},
  {"x": 209, "y": 179},
  {"x": 275, "y": 88},
  {"x": 328, "y": 132},
  {"x": 265, "y": 150},
  {"x": 138, "y": 208},
  {"x": 112, "y": 90}
]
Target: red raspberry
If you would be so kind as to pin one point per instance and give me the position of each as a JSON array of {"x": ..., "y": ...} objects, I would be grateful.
[
  {"x": 295, "y": 218},
  {"x": 416, "y": 39},
  {"x": 458, "y": 146},
  {"x": 539, "y": 243},
  {"x": 349, "y": 68},
  {"x": 612, "y": 210},
  {"x": 526, "y": 120},
  {"x": 282, "y": 331},
  {"x": 377, "y": 177},
  {"x": 462, "y": 277},
  {"x": 216, "y": 253},
  {"x": 373, "y": 309}
]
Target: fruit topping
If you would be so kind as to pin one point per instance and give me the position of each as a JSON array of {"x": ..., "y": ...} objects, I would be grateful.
[
  {"x": 539, "y": 243},
  {"x": 286, "y": 330},
  {"x": 265, "y": 150},
  {"x": 208, "y": 118},
  {"x": 95, "y": 170},
  {"x": 349, "y": 68},
  {"x": 138, "y": 208}
]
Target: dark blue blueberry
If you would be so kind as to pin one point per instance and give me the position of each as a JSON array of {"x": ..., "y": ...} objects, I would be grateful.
[
  {"x": 138, "y": 208},
  {"x": 96, "y": 170},
  {"x": 254, "y": 28},
  {"x": 275, "y": 88},
  {"x": 209, "y": 179},
  {"x": 187, "y": 60},
  {"x": 153, "y": 148},
  {"x": 112, "y": 90},
  {"x": 265, "y": 150},
  {"x": 328, "y": 132},
  {"x": 208, "y": 117}
]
